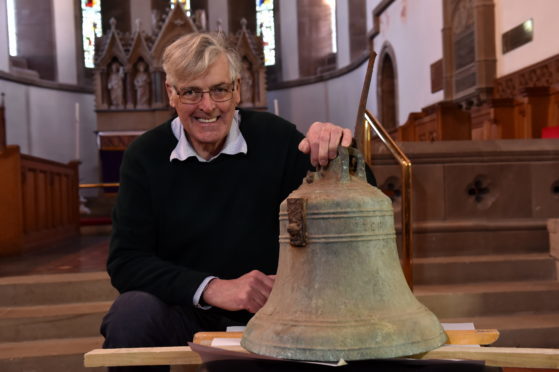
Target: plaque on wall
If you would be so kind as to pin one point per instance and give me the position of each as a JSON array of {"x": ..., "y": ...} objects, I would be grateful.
[
  {"x": 437, "y": 76},
  {"x": 518, "y": 36}
]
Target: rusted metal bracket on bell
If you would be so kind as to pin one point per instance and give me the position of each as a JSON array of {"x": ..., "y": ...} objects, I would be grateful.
[
  {"x": 349, "y": 162},
  {"x": 297, "y": 227}
]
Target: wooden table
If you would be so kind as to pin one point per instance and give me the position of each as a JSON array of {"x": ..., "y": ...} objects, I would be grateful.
[{"x": 492, "y": 356}]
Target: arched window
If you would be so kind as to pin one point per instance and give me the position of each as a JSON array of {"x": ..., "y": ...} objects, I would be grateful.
[{"x": 387, "y": 96}]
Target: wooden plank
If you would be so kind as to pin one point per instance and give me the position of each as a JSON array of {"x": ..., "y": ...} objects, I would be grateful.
[
  {"x": 472, "y": 337},
  {"x": 183, "y": 355},
  {"x": 455, "y": 337},
  {"x": 206, "y": 338},
  {"x": 11, "y": 202},
  {"x": 499, "y": 356},
  {"x": 145, "y": 356}
]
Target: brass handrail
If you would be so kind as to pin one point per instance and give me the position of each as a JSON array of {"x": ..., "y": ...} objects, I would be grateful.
[
  {"x": 96, "y": 185},
  {"x": 365, "y": 139},
  {"x": 405, "y": 168}
]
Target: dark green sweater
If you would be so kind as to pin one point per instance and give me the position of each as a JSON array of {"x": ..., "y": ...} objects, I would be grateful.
[{"x": 177, "y": 222}]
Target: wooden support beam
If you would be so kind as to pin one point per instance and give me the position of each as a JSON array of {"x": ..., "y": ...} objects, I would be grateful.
[
  {"x": 144, "y": 356},
  {"x": 499, "y": 356},
  {"x": 455, "y": 337},
  {"x": 472, "y": 337},
  {"x": 183, "y": 355}
]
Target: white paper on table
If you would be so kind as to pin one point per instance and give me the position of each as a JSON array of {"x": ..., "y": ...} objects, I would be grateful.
[{"x": 458, "y": 326}]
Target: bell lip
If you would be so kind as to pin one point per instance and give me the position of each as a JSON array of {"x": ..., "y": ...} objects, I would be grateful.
[{"x": 328, "y": 355}]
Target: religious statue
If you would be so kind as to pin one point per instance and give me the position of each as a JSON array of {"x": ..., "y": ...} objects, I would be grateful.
[
  {"x": 142, "y": 85},
  {"x": 116, "y": 85},
  {"x": 246, "y": 83}
]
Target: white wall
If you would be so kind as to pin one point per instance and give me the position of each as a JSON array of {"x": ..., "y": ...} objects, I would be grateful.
[
  {"x": 335, "y": 100},
  {"x": 413, "y": 29},
  {"x": 511, "y": 13},
  {"x": 371, "y": 5},
  {"x": 42, "y": 122}
]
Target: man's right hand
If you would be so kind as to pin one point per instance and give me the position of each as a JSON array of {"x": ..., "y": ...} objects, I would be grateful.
[{"x": 248, "y": 292}]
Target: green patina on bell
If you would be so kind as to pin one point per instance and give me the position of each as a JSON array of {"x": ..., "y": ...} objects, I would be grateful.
[{"x": 340, "y": 292}]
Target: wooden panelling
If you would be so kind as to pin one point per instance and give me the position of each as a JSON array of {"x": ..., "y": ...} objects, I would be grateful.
[
  {"x": 494, "y": 120},
  {"x": 11, "y": 211},
  {"x": 536, "y": 102},
  {"x": 2, "y": 125},
  {"x": 51, "y": 199},
  {"x": 39, "y": 201},
  {"x": 439, "y": 122}
]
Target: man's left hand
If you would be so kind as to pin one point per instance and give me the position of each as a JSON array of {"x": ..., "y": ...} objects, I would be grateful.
[{"x": 322, "y": 142}]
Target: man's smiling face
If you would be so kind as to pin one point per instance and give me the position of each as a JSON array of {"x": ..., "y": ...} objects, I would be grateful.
[{"x": 207, "y": 123}]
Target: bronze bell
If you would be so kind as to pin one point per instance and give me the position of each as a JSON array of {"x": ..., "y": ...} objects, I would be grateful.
[{"x": 340, "y": 292}]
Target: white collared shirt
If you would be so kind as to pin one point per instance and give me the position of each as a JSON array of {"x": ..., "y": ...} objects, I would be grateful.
[{"x": 234, "y": 142}]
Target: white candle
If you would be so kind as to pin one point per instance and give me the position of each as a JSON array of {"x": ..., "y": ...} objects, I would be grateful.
[
  {"x": 77, "y": 155},
  {"x": 276, "y": 107}
]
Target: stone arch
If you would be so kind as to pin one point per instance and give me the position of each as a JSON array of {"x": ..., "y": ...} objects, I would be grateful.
[{"x": 387, "y": 87}]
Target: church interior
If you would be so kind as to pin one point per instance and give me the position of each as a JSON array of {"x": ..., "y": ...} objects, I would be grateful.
[{"x": 468, "y": 90}]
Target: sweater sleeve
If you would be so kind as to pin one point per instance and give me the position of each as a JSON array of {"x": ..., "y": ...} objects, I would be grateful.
[
  {"x": 297, "y": 164},
  {"x": 133, "y": 262}
]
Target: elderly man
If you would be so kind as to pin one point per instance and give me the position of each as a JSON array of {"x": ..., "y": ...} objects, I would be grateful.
[{"x": 195, "y": 228}]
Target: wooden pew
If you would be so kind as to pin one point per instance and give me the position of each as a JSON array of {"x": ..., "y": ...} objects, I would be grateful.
[{"x": 39, "y": 198}]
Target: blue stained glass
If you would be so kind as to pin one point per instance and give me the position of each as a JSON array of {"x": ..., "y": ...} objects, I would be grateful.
[{"x": 265, "y": 29}]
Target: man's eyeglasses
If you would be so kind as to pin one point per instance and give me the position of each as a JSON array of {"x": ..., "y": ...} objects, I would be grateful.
[{"x": 220, "y": 93}]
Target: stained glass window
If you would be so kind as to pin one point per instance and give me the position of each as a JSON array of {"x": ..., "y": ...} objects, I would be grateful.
[
  {"x": 265, "y": 29},
  {"x": 91, "y": 28},
  {"x": 185, "y": 5}
]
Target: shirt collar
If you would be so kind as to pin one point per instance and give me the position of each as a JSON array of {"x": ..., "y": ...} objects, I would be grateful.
[{"x": 234, "y": 142}]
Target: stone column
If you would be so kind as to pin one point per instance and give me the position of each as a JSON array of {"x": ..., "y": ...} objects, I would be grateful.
[
  {"x": 342, "y": 34},
  {"x": 65, "y": 37},
  {"x": 289, "y": 40},
  {"x": 4, "y": 50}
]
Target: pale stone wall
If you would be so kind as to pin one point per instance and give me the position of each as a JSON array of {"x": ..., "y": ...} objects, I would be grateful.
[{"x": 42, "y": 122}]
